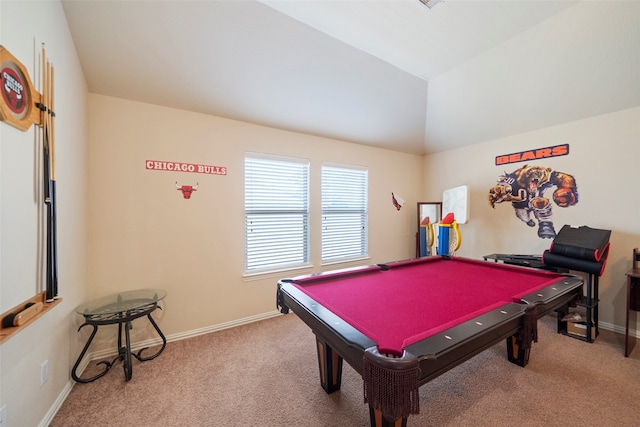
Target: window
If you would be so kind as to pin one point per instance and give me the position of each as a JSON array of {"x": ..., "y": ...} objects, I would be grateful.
[
  {"x": 276, "y": 198},
  {"x": 344, "y": 213}
]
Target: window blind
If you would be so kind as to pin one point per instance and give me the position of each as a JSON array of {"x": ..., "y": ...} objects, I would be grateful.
[
  {"x": 344, "y": 213},
  {"x": 276, "y": 213}
]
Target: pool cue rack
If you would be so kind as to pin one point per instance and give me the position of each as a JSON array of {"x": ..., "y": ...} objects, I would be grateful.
[{"x": 22, "y": 106}]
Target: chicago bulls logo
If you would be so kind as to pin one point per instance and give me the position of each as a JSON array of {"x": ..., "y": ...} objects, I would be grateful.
[
  {"x": 13, "y": 90},
  {"x": 17, "y": 106},
  {"x": 186, "y": 189}
]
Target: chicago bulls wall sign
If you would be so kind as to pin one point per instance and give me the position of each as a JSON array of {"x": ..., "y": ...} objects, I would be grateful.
[
  {"x": 186, "y": 190},
  {"x": 159, "y": 165}
]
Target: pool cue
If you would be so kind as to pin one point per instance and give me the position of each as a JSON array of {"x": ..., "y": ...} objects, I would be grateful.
[
  {"x": 53, "y": 195},
  {"x": 49, "y": 182}
]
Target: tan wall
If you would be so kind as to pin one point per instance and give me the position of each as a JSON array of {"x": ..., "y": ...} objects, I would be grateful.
[
  {"x": 123, "y": 227},
  {"x": 603, "y": 156},
  {"x": 145, "y": 234},
  {"x": 53, "y": 337}
]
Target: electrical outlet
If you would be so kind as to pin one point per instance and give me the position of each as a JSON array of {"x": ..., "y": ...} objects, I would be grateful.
[
  {"x": 44, "y": 372},
  {"x": 3, "y": 416}
]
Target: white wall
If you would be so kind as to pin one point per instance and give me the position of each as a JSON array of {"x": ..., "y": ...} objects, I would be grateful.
[
  {"x": 603, "y": 157},
  {"x": 23, "y": 27},
  {"x": 579, "y": 63},
  {"x": 145, "y": 234}
]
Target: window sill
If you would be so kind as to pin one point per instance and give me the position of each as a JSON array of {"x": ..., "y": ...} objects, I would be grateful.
[{"x": 279, "y": 274}]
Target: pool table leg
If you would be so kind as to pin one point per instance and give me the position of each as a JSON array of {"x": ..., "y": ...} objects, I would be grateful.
[
  {"x": 519, "y": 344},
  {"x": 516, "y": 353},
  {"x": 330, "y": 365},
  {"x": 377, "y": 420}
]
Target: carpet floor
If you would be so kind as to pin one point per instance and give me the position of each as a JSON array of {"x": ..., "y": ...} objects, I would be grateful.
[{"x": 266, "y": 374}]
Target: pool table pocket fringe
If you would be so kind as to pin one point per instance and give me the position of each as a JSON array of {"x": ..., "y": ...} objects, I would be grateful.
[{"x": 390, "y": 390}]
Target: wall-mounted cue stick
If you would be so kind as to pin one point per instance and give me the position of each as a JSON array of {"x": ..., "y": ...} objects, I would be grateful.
[
  {"x": 49, "y": 179},
  {"x": 53, "y": 195}
]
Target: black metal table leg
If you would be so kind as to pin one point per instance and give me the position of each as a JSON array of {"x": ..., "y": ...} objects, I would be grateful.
[
  {"x": 164, "y": 342},
  {"x": 84, "y": 350},
  {"x": 128, "y": 369}
]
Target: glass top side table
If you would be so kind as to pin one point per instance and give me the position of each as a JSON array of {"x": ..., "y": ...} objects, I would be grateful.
[
  {"x": 121, "y": 309},
  {"x": 121, "y": 302}
]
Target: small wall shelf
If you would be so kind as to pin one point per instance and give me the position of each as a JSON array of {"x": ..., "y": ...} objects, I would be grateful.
[{"x": 8, "y": 332}]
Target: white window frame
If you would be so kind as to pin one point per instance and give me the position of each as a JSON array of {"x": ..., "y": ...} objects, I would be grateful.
[
  {"x": 345, "y": 216},
  {"x": 276, "y": 213}
]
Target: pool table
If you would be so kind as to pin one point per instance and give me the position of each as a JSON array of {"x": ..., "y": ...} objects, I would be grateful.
[{"x": 402, "y": 324}]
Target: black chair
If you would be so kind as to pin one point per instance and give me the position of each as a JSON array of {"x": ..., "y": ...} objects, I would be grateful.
[{"x": 633, "y": 301}]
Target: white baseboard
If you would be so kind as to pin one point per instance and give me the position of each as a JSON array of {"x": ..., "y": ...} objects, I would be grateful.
[{"x": 48, "y": 417}]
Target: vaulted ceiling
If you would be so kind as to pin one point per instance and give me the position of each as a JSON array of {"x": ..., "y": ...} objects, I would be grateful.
[{"x": 386, "y": 73}]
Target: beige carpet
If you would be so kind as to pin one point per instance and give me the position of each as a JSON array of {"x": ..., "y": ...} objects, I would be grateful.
[{"x": 266, "y": 374}]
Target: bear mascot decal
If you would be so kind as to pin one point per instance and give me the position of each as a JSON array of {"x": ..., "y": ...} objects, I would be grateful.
[{"x": 525, "y": 188}]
